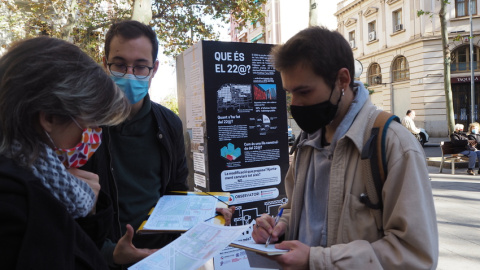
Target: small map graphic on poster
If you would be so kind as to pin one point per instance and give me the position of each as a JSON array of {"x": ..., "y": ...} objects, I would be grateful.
[
  {"x": 265, "y": 91},
  {"x": 234, "y": 97}
]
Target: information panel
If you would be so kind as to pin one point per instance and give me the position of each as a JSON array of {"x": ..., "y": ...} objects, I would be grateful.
[{"x": 233, "y": 108}]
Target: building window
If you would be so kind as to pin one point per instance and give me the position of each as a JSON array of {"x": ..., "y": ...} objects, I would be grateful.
[
  {"x": 397, "y": 20},
  {"x": 372, "y": 35},
  {"x": 400, "y": 70},
  {"x": 351, "y": 39},
  {"x": 461, "y": 97},
  {"x": 461, "y": 59},
  {"x": 374, "y": 74},
  {"x": 461, "y": 7}
]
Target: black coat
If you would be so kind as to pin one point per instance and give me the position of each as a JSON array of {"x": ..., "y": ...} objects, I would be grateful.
[
  {"x": 474, "y": 137},
  {"x": 173, "y": 164},
  {"x": 460, "y": 142},
  {"x": 36, "y": 231}
]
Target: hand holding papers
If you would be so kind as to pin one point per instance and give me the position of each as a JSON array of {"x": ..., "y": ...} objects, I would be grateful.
[{"x": 178, "y": 213}]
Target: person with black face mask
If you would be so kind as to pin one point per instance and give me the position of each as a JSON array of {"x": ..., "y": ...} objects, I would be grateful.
[{"x": 324, "y": 223}]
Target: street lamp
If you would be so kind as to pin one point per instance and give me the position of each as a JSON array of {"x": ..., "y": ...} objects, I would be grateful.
[{"x": 472, "y": 75}]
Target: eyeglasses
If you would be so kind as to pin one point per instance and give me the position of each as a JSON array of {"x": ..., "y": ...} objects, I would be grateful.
[
  {"x": 91, "y": 126},
  {"x": 119, "y": 70},
  {"x": 78, "y": 125}
]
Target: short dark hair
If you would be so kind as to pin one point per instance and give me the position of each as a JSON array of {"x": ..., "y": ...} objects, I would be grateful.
[
  {"x": 55, "y": 77},
  {"x": 408, "y": 112},
  {"x": 325, "y": 51},
  {"x": 131, "y": 30}
]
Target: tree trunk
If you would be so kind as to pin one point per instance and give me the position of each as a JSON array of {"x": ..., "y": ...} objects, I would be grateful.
[
  {"x": 312, "y": 13},
  {"x": 446, "y": 68},
  {"x": 142, "y": 11},
  {"x": 67, "y": 30}
]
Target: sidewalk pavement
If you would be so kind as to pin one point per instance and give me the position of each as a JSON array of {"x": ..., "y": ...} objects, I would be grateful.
[
  {"x": 457, "y": 203},
  {"x": 437, "y": 140}
]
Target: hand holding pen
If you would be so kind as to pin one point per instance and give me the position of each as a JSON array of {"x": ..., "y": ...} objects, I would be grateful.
[
  {"x": 276, "y": 222},
  {"x": 267, "y": 227}
]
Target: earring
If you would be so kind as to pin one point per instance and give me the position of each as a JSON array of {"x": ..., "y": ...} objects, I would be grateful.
[{"x": 343, "y": 92}]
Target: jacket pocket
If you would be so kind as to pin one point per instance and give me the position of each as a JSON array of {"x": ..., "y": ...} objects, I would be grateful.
[{"x": 357, "y": 221}]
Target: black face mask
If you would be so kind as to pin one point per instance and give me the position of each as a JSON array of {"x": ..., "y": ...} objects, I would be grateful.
[{"x": 314, "y": 117}]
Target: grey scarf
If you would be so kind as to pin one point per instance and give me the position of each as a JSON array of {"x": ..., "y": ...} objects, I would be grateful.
[{"x": 75, "y": 194}]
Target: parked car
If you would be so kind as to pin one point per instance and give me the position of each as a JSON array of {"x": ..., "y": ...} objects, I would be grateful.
[
  {"x": 291, "y": 136},
  {"x": 423, "y": 137}
]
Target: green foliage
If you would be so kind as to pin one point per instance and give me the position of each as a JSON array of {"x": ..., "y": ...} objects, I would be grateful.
[
  {"x": 370, "y": 91},
  {"x": 170, "y": 102},
  {"x": 179, "y": 24},
  {"x": 79, "y": 21},
  {"x": 422, "y": 12},
  {"x": 289, "y": 102}
]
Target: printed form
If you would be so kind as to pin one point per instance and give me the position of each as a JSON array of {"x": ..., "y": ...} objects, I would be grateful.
[
  {"x": 193, "y": 249},
  {"x": 181, "y": 212}
]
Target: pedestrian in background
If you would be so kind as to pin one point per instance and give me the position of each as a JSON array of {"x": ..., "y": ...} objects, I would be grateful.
[
  {"x": 464, "y": 146},
  {"x": 408, "y": 122},
  {"x": 474, "y": 139}
]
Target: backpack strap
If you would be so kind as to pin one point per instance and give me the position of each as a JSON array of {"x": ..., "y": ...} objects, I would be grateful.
[
  {"x": 382, "y": 122},
  {"x": 374, "y": 151}
]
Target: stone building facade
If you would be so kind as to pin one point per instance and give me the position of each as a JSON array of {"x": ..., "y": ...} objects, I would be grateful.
[{"x": 402, "y": 58}]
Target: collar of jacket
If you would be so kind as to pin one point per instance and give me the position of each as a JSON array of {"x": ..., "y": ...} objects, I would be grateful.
[{"x": 364, "y": 118}]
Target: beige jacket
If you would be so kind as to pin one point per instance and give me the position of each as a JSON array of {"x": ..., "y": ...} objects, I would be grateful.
[{"x": 409, "y": 239}]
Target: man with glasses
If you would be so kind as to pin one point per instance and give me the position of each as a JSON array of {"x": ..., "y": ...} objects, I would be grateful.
[{"x": 143, "y": 158}]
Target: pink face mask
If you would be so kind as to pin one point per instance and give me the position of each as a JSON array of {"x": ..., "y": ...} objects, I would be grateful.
[{"x": 77, "y": 156}]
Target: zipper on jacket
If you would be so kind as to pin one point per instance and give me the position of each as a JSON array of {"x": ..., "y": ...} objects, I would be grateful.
[{"x": 114, "y": 183}]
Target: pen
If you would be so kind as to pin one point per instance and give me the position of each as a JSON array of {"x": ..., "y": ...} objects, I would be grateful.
[{"x": 276, "y": 221}]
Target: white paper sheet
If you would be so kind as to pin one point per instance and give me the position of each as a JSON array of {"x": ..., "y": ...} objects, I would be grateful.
[
  {"x": 181, "y": 212},
  {"x": 192, "y": 249}
]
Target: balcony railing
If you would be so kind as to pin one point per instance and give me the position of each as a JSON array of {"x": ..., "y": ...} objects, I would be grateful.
[{"x": 463, "y": 66}]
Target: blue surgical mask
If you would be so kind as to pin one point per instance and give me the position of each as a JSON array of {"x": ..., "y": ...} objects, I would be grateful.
[
  {"x": 135, "y": 89},
  {"x": 475, "y": 131}
]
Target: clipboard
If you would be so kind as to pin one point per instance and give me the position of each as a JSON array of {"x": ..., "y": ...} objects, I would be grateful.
[{"x": 258, "y": 248}]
